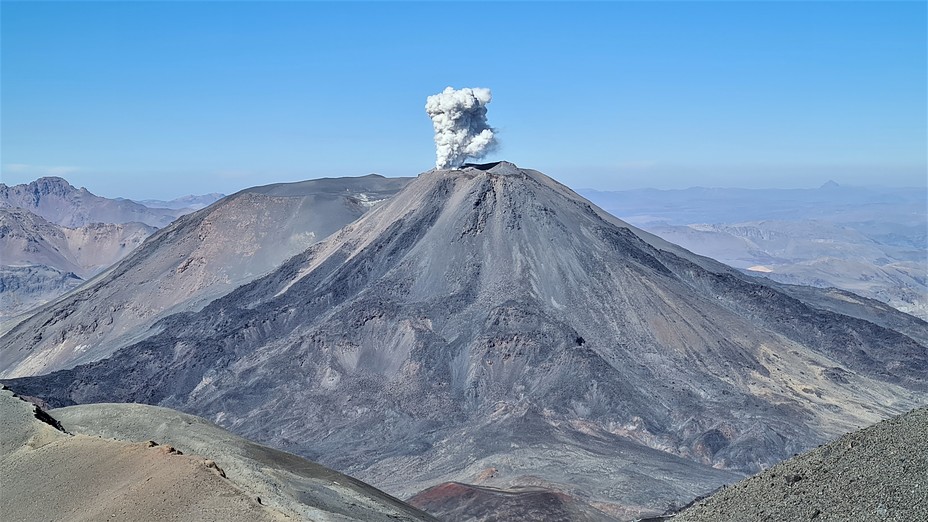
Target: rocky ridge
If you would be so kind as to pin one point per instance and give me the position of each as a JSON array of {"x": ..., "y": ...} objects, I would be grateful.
[
  {"x": 57, "y": 201},
  {"x": 94, "y": 462},
  {"x": 877, "y": 473}
]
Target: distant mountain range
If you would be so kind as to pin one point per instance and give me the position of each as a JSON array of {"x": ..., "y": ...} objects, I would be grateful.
[
  {"x": 54, "y": 236},
  {"x": 42, "y": 260},
  {"x": 185, "y": 202},
  {"x": 55, "y": 200},
  {"x": 484, "y": 341},
  {"x": 869, "y": 240},
  {"x": 28, "y": 239}
]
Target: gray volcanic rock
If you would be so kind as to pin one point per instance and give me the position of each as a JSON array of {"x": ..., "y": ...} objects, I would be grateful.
[
  {"x": 491, "y": 318},
  {"x": 136, "y": 462},
  {"x": 197, "y": 258},
  {"x": 456, "y": 501},
  {"x": 877, "y": 473},
  {"x": 58, "y": 202},
  {"x": 853, "y": 305}
]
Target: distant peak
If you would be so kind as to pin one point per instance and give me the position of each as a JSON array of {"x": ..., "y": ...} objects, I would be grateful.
[
  {"x": 52, "y": 180},
  {"x": 830, "y": 184},
  {"x": 50, "y": 185}
]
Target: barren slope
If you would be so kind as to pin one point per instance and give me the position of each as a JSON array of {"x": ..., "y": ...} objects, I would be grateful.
[
  {"x": 877, "y": 473},
  {"x": 197, "y": 258},
  {"x": 37, "y": 255},
  {"x": 23, "y": 288},
  {"x": 52, "y": 475},
  {"x": 27, "y": 239},
  {"x": 489, "y": 326},
  {"x": 101, "y": 461}
]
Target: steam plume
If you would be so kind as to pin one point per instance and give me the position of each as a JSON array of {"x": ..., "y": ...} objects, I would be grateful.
[{"x": 461, "y": 129}]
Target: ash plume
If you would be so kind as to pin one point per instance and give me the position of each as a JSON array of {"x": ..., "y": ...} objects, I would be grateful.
[{"x": 461, "y": 129}]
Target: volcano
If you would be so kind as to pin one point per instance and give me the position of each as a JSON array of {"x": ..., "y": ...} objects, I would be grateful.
[{"x": 489, "y": 326}]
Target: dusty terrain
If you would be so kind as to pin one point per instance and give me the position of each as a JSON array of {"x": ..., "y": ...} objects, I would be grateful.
[
  {"x": 456, "y": 501},
  {"x": 104, "y": 463},
  {"x": 295, "y": 486},
  {"x": 52, "y": 475}
]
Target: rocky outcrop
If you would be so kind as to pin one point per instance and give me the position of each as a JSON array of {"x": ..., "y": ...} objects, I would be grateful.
[{"x": 877, "y": 473}]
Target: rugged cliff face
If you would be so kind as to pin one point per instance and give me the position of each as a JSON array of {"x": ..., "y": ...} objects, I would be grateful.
[
  {"x": 28, "y": 239},
  {"x": 488, "y": 325}
]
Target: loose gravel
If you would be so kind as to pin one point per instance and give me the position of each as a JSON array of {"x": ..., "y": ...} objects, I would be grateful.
[{"x": 879, "y": 473}]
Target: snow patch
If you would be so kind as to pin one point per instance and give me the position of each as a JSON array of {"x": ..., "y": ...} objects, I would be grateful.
[{"x": 366, "y": 200}]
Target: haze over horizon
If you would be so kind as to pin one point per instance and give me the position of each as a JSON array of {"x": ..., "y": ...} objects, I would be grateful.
[{"x": 160, "y": 100}]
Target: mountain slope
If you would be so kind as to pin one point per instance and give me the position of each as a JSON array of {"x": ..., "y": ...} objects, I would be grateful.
[
  {"x": 58, "y": 202},
  {"x": 28, "y": 239},
  {"x": 487, "y": 325},
  {"x": 185, "y": 265},
  {"x": 815, "y": 253},
  {"x": 50, "y": 474},
  {"x": 877, "y": 473},
  {"x": 24, "y": 288},
  {"x": 38, "y": 256},
  {"x": 867, "y": 240},
  {"x": 123, "y": 473}
]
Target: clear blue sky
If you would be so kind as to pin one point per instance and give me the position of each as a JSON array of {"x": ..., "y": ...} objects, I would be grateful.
[{"x": 170, "y": 98}]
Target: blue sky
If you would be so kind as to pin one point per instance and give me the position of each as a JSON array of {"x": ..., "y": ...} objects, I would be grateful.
[{"x": 163, "y": 99}]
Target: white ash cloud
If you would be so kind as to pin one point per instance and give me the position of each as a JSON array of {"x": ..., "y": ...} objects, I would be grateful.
[{"x": 461, "y": 129}]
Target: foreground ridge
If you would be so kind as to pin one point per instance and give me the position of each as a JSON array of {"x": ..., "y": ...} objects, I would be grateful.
[
  {"x": 877, "y": 473},
  {"x": 98, "y": 462}
]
